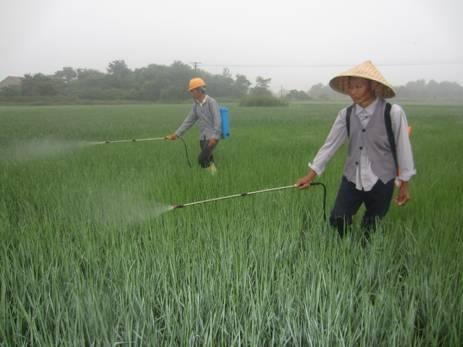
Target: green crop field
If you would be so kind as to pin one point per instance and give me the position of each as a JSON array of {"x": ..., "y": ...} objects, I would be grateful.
[{"x": 90, "y": 255}]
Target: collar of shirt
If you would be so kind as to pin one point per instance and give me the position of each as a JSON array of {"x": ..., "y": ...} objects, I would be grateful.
[
  {"x": 367, "y": 111},
  {"x": 201, "y": 103}
]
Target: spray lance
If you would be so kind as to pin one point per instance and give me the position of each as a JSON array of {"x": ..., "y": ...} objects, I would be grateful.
[
  {"x": 106, "y": 142},
  {"x": 239, "y": 195},
  {"x": 129, "y": 140}
]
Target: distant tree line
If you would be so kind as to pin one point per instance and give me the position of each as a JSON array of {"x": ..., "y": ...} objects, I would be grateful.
[
  {"x": 150, "y": 83},
  {"x": 161, "y": 83},
  {"x": 418, "y": 90},
  {"x": 431, "y": 90}
]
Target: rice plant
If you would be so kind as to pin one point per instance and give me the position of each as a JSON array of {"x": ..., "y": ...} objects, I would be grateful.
[{"x": 90, "y": 254}]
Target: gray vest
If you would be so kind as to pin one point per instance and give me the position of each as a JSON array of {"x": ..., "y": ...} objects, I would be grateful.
[{"x": 372, "y": 139}]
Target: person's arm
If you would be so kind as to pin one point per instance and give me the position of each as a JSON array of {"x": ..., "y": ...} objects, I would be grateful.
[
  {"x": 190, "y": 119},
  {"x": 336, "y": 137},
  {"x": 404, "y": 154}
]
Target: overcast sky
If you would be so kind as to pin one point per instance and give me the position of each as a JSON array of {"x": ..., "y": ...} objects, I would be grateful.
[{"x": 297, "y": 43}]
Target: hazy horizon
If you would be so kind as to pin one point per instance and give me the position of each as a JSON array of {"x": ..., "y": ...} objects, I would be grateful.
[{"x": 296, "y": 43}]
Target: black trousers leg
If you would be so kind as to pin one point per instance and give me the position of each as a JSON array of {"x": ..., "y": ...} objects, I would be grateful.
[
  {"x": 348, "y": 201},
  {"x": 205, "y": 156},
  {"x": 377, "y": 202}
]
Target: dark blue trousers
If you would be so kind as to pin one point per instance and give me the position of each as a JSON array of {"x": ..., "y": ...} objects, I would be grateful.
[
  {"x": 349, "y": 200},
  {"x": 205, "y": 157}
]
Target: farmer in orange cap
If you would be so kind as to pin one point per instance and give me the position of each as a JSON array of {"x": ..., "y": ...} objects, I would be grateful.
[
  {"x": 205, "y": 111},
  {"x": 378, "y": 145}
]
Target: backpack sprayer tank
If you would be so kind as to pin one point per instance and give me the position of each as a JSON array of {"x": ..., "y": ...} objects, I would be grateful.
[{"x": 225, "y": 125}]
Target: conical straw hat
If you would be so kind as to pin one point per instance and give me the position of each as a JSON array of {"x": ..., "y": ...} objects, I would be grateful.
[{"x": 365, "y": 70}]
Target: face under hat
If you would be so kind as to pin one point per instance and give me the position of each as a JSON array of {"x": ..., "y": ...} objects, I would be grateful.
[{"x": 366, "y": 70}]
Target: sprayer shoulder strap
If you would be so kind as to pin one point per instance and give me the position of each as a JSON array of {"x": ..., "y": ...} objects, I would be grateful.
[
  {"x": 387, "y": 123},
  {"x": 390, "y": 133},
  {"x": 220, "y": 113},
  {"x": 209, "y": 106},
  {"x": 210, "y": 109},
  {"x": 348, "y": 113}
]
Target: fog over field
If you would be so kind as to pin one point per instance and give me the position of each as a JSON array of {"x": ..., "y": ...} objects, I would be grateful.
[{"x": 297, "y": 43}]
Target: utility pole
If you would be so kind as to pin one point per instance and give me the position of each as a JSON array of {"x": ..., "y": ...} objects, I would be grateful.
[{"x": 195, "y": 65}]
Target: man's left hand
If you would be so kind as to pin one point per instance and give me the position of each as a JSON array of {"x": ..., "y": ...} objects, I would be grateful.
[
  {"x": 212, "y": 143},
  {"x": 403, "y": 195}
]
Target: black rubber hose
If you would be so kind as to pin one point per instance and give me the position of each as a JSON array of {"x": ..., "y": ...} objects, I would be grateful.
[{"x": 186, "y": 151}]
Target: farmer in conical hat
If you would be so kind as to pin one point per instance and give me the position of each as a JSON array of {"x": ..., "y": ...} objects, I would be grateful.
[
  {"x": 378, "y": 145},
  {"x": 206, "y": 112}
]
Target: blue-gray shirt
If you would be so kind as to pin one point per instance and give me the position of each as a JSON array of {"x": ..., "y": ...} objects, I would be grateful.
[{"x": 207, "y": 115}]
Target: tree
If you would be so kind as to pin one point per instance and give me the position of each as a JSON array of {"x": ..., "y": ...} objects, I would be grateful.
[
  {"x": 118, "y": 68},
  {"x": 299, "y": 95},
  {"x": 220, "y": 85},
  {"x": 241, "y": 86},
  {"x": 91, "y": 78},
  {"x": 27, "y": 85},
  {"x": 89, "y": 84},
  {"x": 119, "y": 74},
  {"x": 263, "y": 82},
  {"x": 420, "y": 90},
  {"x": 67, "y": 74},
  {"x": 10, "y": 91},
  {"x": 150, "y": 81},
  {"x": 261, "y": 88},
  {"x": 39, "y": 85},
  {"x": 320, "y": 91},
  {"x": 226, "y": 73}
]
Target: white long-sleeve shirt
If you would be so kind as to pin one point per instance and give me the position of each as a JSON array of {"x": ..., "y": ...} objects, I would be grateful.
[{"x": 365, "y": 179}]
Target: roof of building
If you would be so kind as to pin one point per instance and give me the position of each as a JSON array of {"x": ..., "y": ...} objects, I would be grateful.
[{"x": 10, "y": 81}]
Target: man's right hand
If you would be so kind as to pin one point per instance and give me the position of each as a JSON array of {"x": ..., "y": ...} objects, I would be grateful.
[
  {"x": 171, "y": 137},
  {"x": 305, "y": 181}
]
